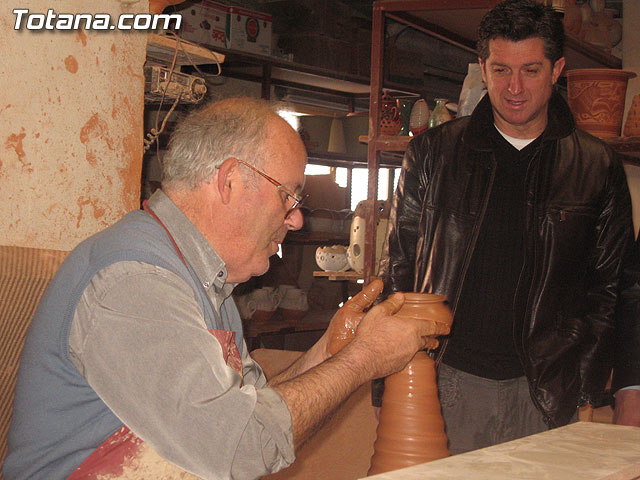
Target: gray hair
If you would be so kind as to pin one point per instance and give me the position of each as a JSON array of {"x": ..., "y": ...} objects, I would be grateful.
[{"x": 234, "y": 127}]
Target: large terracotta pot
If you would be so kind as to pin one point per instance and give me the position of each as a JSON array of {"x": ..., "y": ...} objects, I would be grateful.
[
  {"x": 596, "y": 97},
  {"x": 410, "y": 428}
]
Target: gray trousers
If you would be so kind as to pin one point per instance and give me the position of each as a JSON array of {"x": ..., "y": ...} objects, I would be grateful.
[{"x": 480, "y": 412}]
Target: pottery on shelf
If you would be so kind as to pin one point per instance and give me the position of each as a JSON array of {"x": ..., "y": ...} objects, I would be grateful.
[
  {"x": 440, "y": 113},
  {"x": 572, "y": 18},
  {"x": 632, "y": 124},
  {"x": 355, "y": 252},
  {"x": 332, "y": 258},
  {"x": 390, "y": 121},
  {"x": 265, "y": 302},
  {"x": 293, "y": 304},
  {"x": 410, "y": 427},
  {"x": 404, "y": 108},
  {"x": 419, "y": 118},
  {"x": 596, "y": 97}
]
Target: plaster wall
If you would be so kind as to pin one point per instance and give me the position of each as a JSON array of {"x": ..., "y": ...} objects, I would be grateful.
[{"x": 71, "y": 125}]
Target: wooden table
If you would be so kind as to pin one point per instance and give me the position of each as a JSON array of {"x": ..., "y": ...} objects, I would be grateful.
[{"x": 580, "y": 451}]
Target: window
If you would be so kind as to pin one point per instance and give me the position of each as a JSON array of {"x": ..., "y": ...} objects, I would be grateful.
[{"x": 359, "y": 181}]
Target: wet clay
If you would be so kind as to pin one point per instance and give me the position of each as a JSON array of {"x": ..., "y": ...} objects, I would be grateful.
[{"x": 411, "y": 428}]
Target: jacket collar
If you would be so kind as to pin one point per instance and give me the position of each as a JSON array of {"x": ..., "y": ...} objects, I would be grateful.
[{"x": 479, "y": 132}]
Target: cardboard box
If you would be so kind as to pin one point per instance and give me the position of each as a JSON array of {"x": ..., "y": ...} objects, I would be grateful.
[
  {"x": 214, "y": 24},
  {"x": 248, "y": 31},
  {"x": 189, "y": 29},
  {"x": 204, "y": 23}
]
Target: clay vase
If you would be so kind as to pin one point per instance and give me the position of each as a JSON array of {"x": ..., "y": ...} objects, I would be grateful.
[
  {"x": 572, "y": 17},
  {"x": 596, "y": 97},
  {"x": 632, "y": 125},
  {"x": 440, "y": 113},
  {"x": 390, "y": 121},
  {"x": 419, "y": 119},
  {"x": 410, "y": 428},
  {"x": 404, "y": 109}
]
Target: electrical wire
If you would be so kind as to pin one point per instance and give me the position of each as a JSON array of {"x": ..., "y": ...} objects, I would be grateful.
[
  {"x": 180, "y": 41},
  {"x": 152, "y": 136}
]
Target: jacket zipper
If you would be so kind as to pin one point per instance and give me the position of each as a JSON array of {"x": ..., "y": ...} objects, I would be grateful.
[{"x": 519, "y": 342}]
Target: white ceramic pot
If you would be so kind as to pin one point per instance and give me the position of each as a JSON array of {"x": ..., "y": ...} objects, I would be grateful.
[
  {"x": 246, "y": 306},
  {"x": 355, "y": 252},
  {"x": 266, "y": 299},
  {"x": 419, "y": 119},
  {"x": 332, "y": 258},
  {"x": 294, "y": 299}
]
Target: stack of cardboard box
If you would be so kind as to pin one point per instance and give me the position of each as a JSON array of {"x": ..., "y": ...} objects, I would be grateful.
[{"x": 217, "y": 25}]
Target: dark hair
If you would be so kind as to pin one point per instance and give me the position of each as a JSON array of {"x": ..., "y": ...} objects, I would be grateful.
[{"x": 517, "y": 20}]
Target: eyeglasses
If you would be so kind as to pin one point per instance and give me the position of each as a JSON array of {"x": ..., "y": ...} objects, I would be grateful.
[{"x": 297, "y": 199}]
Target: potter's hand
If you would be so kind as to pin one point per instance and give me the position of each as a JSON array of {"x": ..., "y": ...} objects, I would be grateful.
[
  {"x": 344, "y": 323},
  {"x": 389, "y": 342}
]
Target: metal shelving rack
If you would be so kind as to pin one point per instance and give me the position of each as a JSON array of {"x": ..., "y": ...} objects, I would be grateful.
[{"x": 455, "y": 22}]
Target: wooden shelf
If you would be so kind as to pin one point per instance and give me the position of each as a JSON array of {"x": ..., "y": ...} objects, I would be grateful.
[
  {"x": 628, "y": 148},
  {"x": 625, "y": 144},
  {"x": 349, "y": 275},
  {"x": 456, "y": 21},
  {"x": 162, "y": 47},
  {"x": 388, "y": 143},
  {"x": 316, "y": 238}
]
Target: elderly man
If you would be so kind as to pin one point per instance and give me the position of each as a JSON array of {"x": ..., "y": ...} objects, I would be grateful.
[
  {"x": 135, "y": 363},
  {"x": 522, "y": 221}
]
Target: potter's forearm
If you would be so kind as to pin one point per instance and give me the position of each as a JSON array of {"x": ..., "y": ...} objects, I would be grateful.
[
  {"x": 314, "y": 356},
  {"x": 314, "y": 395}
]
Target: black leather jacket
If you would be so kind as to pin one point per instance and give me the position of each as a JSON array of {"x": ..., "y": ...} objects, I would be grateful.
[{"x": 578, "y": 226}]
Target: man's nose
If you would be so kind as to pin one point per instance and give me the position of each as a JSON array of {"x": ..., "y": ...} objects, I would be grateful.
[
  {"x": 294, "y": 220},
  {"x": 515, "y": 84}
]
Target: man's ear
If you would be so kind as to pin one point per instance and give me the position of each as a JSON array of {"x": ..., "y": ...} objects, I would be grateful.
[
  {"x": 227, "y": 173},
  {"x": 483, "y": 72},
  {"x": 558, "y": 66}
]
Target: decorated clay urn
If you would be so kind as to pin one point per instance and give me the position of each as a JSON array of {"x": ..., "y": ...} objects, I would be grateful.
[
  {"x": 411, "y": 429},
  {"x": 390, "y": 121},
  {"x": 597, "y": 97}
]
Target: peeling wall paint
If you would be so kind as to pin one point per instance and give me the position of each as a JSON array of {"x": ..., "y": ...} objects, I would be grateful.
[{"x": 71, "y": 126}]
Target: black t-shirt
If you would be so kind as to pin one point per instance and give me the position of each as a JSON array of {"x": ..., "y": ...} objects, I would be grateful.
[{"x": 482, "y": 341}]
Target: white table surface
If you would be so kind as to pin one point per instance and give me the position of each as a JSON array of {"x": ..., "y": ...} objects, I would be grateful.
[{"x": 580, "y": 451}]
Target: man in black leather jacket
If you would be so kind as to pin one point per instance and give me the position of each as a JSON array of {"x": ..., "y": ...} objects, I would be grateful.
[{"x": 522, "y": 221}]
